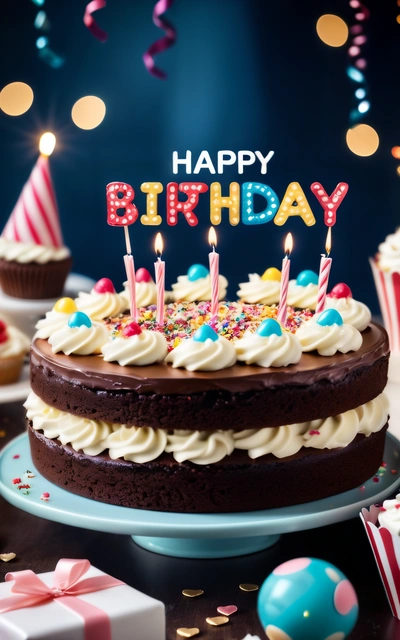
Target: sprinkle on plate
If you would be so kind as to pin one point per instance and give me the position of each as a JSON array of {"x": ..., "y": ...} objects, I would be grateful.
[{"x": 248, "y": 587}]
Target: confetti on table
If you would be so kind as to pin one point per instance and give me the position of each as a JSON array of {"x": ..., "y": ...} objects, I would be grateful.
[
  {"x": 248, "y": 587},
  {"x": 192, "y": 593},
  {"x": 228, "y": 610},
  {"x": 217, "y": 621},
  {"x": 6, "y": 557},
  {"x": 184, "y": 632}
]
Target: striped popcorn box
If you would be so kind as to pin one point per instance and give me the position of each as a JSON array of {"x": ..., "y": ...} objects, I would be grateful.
[
  {"x": 388, "y": 289},
  {"x": 386, "y": 549}
]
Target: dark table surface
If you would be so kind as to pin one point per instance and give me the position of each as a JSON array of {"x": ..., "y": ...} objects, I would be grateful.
[{"x": 39, "y": 544}]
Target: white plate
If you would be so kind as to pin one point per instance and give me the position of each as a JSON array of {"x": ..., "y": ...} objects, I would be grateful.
[{"x": 17, "y": 392}]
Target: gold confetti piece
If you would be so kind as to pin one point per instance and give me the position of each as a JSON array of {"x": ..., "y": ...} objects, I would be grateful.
[
  {"x": 192, "y": 593},
  {"x": 6, "y": 557},
  {"x": 248, "y": 587},
  {"x": 183, "y": 632},
  {"x": 217, "y": 620}
]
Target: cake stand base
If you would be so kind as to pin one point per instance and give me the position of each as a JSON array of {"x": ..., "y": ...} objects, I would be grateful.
[{"x": 199, "y": 548}]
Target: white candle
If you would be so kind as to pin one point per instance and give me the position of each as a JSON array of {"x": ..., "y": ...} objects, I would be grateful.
[
  {"x": 282, "y": 310},
  {"x": 324, "y": 271},
  {"x": 213, "y": 258},
  {"x": 159, "y": 268}
]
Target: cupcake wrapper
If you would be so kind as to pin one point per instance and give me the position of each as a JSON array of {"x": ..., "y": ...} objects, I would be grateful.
[
  {"x": 386, "y": 550},
  {"x": 388, "y": 289},
  {"x": 34, "y": 281}
]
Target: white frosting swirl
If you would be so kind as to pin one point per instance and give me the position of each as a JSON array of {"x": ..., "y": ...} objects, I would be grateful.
[
  {"x": 390, "y": 517},
  {"x": 83, "y": 434},
  {"x": 146, "y": 294},
  {"x": 54, "y": 321},
  {"x": 143, "y": 444},
  {"x": 327, "y": 340},
  {"x": 145, "y": 348},
  {"x": 28, "y": 252},
  {"x": 16, "y": 344},
  {"x": 302, "y": 297},
  {"x": 353, "y": 312},
  {"x": 259, "y": 291},
  {"x": 268, "y": 351},
  {"x": 389, "y": 253},
  {"x": 100, "y": 305},
  {"x": 187, "y": 291},
  {"x": 81, "y": 341},
  {"x": 210, "y": 355}
]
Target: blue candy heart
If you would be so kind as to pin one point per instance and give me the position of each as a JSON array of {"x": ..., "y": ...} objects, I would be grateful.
[
  {"x": 329, "y": 317},
  {"x": 307, "y": 277},
  {"x": 79, "y": 319},
  {"x": 204, "y": 333},
  {"x": 269, "y": 327},
  {"x": 197, "y": 271}
]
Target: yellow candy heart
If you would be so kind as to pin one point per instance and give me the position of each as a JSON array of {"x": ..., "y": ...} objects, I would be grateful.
[
  {"x": 272, "y": 274},
  {"x": 65, "y": 305}
]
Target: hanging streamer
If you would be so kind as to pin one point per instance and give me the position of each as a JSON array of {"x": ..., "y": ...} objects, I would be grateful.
[
  {"x": 357, "y": 61},
  {"x": 90, "y": 22},
  {"x": 163, "y": 43}
]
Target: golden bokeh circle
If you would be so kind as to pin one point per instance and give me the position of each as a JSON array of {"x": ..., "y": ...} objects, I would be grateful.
[
  {"x": 332, "y": 30},
  {"x": 16, "y": 98},
  {"x": 396, "y": 152},
  {"x": 88, "y": 112},
  {"x": 362, "y": 140}
]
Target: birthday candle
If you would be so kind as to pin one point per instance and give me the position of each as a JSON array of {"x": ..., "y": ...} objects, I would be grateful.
[
  {"x": 159, "y": 267},
  {"x": 285, "y": 280},
  {"x": 213, "y": 258},
  {"x": 324, "y": 270}
]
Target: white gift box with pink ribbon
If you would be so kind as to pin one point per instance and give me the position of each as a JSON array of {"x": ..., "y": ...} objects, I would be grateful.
[{"x": 76, "y": 602}]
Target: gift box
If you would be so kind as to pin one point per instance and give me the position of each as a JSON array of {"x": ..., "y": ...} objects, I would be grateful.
[{"x": 76, "y": 602}]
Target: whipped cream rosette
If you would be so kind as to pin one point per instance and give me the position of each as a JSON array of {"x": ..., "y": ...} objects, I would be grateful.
[
  {"x": 263, "y": 289},
  {"x": 80, "y": 336},
  {"x": 206, "y": 351},
  {"x": 135, "y": 346},
  {"x": 146, "y": 290},
  {"x": 352, "y": 311},
  {"x": 303, "y": 292},
  {"x": 55, "y": 319},
  {"x": 25, "y": 252},
  {"x": 269, "y": 346},
  {"x": 102, "y": 302},
  {"x": 327, "y": 334},
  {"x": 196, "y": 285}
]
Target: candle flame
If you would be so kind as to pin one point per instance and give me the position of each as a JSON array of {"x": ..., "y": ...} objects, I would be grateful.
[
  {"x": 212, "y": 237},
  {"x": 289, "y": 244},
  {"x": 47, "y": 143},
  {"x": 158, "y": 245},
  {"x": 328, "y": 244}
]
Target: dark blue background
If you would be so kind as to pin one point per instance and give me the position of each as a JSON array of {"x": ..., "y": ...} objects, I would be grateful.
[{"x": 243, "y": 75}]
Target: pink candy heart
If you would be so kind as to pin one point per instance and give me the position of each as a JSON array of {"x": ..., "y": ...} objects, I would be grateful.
[{"x": 228, "y": 610}]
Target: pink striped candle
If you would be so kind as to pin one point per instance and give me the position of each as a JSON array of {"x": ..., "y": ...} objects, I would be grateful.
[
  {"x": 324, "y": 271},
  {"x": 159, "y": 268},
  {"x": 282, "y": 310},
  {"x": 130, "y": 274},
  {"x": 213, "y": 258}
]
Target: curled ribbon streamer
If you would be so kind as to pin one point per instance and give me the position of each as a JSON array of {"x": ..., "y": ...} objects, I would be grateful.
[
  {"x": 163, "y": 43},
  {"x": 91, "y": 23}
]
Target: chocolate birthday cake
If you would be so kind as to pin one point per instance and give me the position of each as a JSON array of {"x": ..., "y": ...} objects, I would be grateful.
[{"x": 202, "y": 414}]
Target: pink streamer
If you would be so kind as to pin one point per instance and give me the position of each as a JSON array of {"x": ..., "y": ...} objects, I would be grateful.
[
  {"x": 163, "y": 43},
  {"x": 91, "y": 23}
]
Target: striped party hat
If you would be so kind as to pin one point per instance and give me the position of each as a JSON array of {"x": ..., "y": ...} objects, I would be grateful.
[{"x": 35, "y": 218}]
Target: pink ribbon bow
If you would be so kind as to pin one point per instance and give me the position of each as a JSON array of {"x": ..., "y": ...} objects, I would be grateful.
[{"x": 31, "y": 591}]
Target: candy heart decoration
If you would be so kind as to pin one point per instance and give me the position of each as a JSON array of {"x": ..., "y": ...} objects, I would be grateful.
[
  {"x": 79, "y": 319},
  {"x": 142, "y": 275},
  {"x": 104, "y": 285},
  {"x": 307, "y": 277},
  {"x": 228, "y": 610},
  {"x": 197, "y": 271},
  {"x": 340, "y": 290},
  {"x": 65, "y": 305},
  {"x": 330, "y": 317},
  {"x": 269, "y": 327},
  {"x": 188, "y": 632},
  {"x": 131, "y": 329},
  {"x": 205, "y": 332},
  {"x": 272, "y": 274}
]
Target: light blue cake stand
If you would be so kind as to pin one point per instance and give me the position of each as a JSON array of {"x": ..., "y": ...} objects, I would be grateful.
[{"x": 188, "y": 535}]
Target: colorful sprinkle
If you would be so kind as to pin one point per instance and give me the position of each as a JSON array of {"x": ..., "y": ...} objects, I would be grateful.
[
  {"x": 248, "y": 587},
  {"x": 314, "y": 432},
  {"x": 45, "y": 496},
  {"x": 375, "y": 479},
  {"x": 17, "y": 481},
  {"x": 16, "y": 456}
]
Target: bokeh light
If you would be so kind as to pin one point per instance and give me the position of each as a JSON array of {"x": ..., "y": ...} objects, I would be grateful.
[
  {"x": 396, "y": 152},
  {"x": 360, "y": 93},
  {"x": 364, "y": 106},
  {"x": 362, "y": 140},
  {"x": 88, "y": 112},
  {"x": 332, "y": 30},
  {"x": 398, "y": 171},
  {"x": 16, "y": 98}
]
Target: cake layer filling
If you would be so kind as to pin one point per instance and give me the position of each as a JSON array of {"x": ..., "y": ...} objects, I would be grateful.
[{"x": 144, "y": 444}]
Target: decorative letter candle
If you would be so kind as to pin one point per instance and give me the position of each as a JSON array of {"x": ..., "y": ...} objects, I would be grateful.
[
  {"x": 324, "y": 270},
  {"x": 285, "y": 280},
  {"x": 159, "y": 268},
  {"x": 213, "y": 257}
]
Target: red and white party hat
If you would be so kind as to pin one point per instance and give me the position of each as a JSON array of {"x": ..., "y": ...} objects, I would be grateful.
[{"x": 35, "y": 217}]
